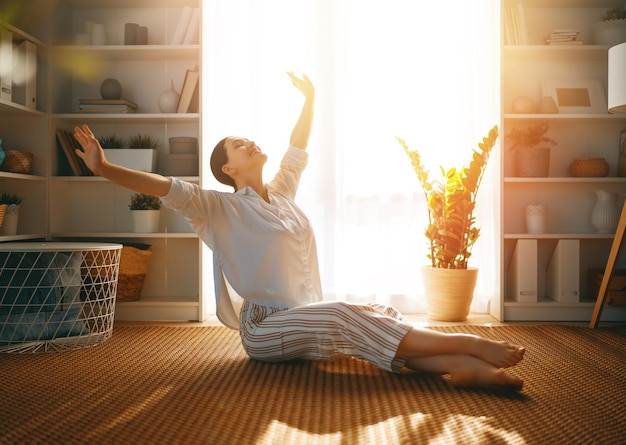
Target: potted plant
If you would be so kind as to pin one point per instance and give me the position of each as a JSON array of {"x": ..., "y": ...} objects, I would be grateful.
[
  {"x": 611, "y": 29},
  {"x": 145, "y": 211},
  {"x": 532, "y": 150},
  {"x": 11, "y": 214},
  {"x": 138, "y": 154},
  {"x": 451, "y": 231}
]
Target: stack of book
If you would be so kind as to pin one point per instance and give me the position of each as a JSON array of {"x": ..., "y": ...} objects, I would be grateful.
[
  {"x": 107, "y": 106},
  {"x": 563, "y": 37}
]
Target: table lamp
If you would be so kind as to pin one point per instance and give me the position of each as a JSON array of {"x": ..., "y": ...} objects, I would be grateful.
[{"x": 617, "y": 79}]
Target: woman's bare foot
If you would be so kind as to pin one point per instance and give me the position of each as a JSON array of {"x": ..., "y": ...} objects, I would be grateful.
[
  {"x": 474, "y": 372},
  {"x": 499, "y": 353}
]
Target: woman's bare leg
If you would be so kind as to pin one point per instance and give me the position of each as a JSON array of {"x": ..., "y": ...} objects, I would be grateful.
[
  {"x": 420, "y": 342},
  {"x": 466, "y": 371}
]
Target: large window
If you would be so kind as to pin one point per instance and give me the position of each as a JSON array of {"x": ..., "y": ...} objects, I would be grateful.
[{"x": 381, "y": 69}]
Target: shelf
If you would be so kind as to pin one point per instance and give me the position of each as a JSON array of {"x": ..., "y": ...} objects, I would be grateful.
[
  {"x": 556, "y": 53},
  {"x": 138, "y": 118},
  {"x": 579, "y": 118},
  {"x": 12, "y": 109},
  {"x": 96, "y": 179},
  {"x": 560, "y": 235},
  {"x": 167, "y": 235},
  {"x": 18, "y": 34},
  {"x": 566, "y": 180},
  {"x": 22, "y": 176},
  {"x": 129, "y": 52}
]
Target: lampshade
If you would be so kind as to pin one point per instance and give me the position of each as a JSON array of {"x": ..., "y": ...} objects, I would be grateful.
[{"x": 617, "y": 79}]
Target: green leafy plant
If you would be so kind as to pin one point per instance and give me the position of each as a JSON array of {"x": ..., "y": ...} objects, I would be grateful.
[
  {"x": 111, "y": 141},
  {"x": 143, "y": 201},
  {"x": 451, "y": 199},
  {"x": 10, "y": 198},
  {"x": 615, "y": 13},
  {"x": 529, "y": 137},
  {"x": 142, "y": 141}
]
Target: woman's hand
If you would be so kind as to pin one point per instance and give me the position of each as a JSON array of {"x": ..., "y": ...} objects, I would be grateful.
[
  {"x": 304, "y": 85},
  {"x": 92, "y": 153}
]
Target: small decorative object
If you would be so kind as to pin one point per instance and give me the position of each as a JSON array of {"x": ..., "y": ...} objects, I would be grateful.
[
  {"x": 98, "y": 34},
  {"x": 111, "y": 89},
  {"x": 589, "y": 167},
  {"x": 605, "y": 213},
  {"x": 111, "y": 141},
  {"x": 12, "y": 203},
  {"x": 145, "y": 212},
  {"x": 573, "y": 96},
  {"x": 3, "y": 209},
  {"x": 17, "y": 161},
  {"x": 531, "y": 160},
  {"x": 168, "y": 99},
  {"x": 548, "y": 106},
  {"x": 535, "y": 218},
  {"x": 523, "y": 105},
  {"x": 451, "y": 230},
  {"x": 611, "y": 29},
  {"x": 130, "y": 33}
]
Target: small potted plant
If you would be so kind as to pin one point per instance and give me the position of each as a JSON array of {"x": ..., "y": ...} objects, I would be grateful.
[
  {"x": 532, "y": 149},
  {"x": 145, "y": 212},
  {"x": 139, "y": 153},
  {"x": 11, "y": 203},
  {"x": 448, "y": 281},
  {"x": 611, "y": 29}
]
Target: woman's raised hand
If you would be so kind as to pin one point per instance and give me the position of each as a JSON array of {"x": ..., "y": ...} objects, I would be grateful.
[
  {"x": 92, "y": 153},
  {"x": 304, "y": 84}
]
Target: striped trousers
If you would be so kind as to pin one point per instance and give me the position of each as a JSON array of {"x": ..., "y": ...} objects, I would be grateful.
[{"x": 323, "y": 331}]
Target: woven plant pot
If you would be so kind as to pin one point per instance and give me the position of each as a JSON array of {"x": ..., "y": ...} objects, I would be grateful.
[
  {"x": 449, "y": 292},
  {"x": 589, "y": 167},
  {"x": 17, "y": 161}
]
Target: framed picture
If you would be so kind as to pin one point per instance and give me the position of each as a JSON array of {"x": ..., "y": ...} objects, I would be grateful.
[{"x": 576, "y": 96}]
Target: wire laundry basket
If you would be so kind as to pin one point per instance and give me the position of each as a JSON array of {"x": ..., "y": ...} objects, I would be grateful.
[{"x": 56, "y": 296}]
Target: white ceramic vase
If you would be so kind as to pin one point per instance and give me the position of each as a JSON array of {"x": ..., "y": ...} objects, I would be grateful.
[
  {"x": 605, "y": 213},
  {"x": 168, "y": 99}
]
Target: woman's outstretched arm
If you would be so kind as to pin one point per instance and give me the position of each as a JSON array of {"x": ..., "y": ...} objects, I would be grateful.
[
  {"x": 302, "y": 129},
  {"x": 93, "y": 155}
]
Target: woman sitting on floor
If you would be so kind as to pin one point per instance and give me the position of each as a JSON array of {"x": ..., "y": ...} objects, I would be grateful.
[{"x": 266, "y": 269}]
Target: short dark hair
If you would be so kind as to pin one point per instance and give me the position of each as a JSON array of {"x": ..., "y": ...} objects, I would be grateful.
[{"x": 219, "y": 158}]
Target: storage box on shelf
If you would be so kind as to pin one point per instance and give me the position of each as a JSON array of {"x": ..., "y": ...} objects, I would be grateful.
[{"x": 568, "y": 200}]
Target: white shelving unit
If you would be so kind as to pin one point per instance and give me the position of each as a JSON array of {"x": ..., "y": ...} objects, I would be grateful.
[
  {"x": 569, "y": 200},
  {"x": 63, "y": 207}
]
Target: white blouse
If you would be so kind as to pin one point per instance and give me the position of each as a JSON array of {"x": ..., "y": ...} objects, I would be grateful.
[{"x": 262, "y": 252}]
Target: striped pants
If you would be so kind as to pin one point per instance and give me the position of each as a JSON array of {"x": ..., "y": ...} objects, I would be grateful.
[{"x": 323, "y": 331}]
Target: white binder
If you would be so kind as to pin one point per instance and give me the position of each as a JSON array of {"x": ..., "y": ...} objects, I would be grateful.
[
  {"x": 522, "y": 272},
  {"x": 6, "y": 64},
  {"x": 25, "y": 74},
  {"x": 563, "y": 274}
]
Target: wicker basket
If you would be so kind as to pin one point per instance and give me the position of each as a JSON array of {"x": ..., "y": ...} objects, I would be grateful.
[
  {"x": 589, "y": 167},
  {"x": 17, "y": 161},
  {"x": 133, "y": 268},
  {"x": 3, "y": 209}
]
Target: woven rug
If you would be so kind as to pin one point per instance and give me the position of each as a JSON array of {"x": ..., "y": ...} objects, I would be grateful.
[{"x": 195, "y": 385}]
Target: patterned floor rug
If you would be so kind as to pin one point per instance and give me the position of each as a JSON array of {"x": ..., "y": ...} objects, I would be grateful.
[{"x": 195, "y": 385}]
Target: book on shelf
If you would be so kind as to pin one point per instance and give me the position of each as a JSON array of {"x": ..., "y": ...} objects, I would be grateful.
[
  {"x": 107, "y": 106},
  {"x": 189, "y": 95},
  {"x": 25, "y": 74},
  {"x": 563, "y": 36},
  {"x": 69, "y": 145},
  {"x": 6, "y": 60},
  {"x": 515, "y": 28},
  {"x": 191, "y": 36}
]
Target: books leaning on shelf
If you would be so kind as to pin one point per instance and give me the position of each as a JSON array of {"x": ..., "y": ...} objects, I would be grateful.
[
  {"x": 69, "y": 145},
  {"x": 563, "y": 37},
  {"x": 107, "y": 106},
  {"x": 189, "y": 95}
]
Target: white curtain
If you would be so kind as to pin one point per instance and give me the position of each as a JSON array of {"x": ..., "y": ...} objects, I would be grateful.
[{"x": 382, "y": 68}]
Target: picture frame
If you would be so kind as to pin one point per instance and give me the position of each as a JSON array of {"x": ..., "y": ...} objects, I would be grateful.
[{"x": 585, "y": 96}]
